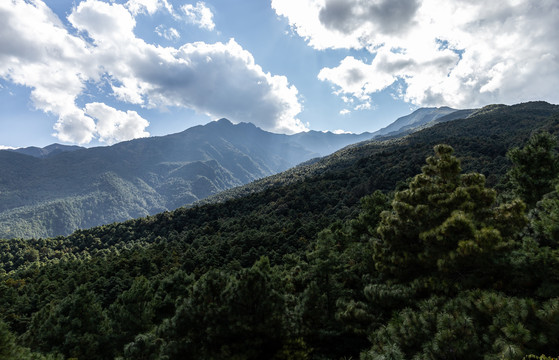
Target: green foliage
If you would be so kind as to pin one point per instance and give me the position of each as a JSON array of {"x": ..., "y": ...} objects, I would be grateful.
[
  {"x": 471, "y": 324},
  {"x": 545, "y": 220},
  {"x": 132, "y": 312},
  {"x": 536, "y": 167},
  {"x": 77, "y": 327},
  {"x": 225, "y": 316},
  {"x": 445, "y": 222},
  {"x": 10, "y": 350},
  {"x": 8, "y": 347}
]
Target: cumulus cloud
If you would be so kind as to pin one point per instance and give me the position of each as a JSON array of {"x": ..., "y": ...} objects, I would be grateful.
[
  {"x": 38, "y": 52},
  {"x": 354, "y": 17},
  {"x": 458, "y": 53},
  {"x": 354, "y": 77},
  {"x": 167, "y": 33},
  {"x": 148, "y": 6},
  {"x": 341, "y": 131},
  {"x": 114, "y": 125},
  {"x": 220, "y": 80},
  {"x": 199, "y": 15}
]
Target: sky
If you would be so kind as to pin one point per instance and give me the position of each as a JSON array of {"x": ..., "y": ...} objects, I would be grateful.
[{"x": 97, "y": 72}]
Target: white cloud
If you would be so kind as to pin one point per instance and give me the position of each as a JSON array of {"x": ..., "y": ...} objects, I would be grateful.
[
  {"x": 167, "y": 33},
  {"x": 36, "y": 51},
  {"x": 75, "y": 127},
  {"x": 148, "y": 6},
  {"x": 220, "y": 80},
  {"x": 139, "y": 6},
  {"x": 199, "y": 14},
  {"x": 340, "y": 131},
  {"x": 354, "y": 77},
  {"x": 3, "y": 147},
  {"x": 304, "y": 18},
  {"x": 460, "y": 53},
  {"x": 107, "y": 24},
  {"x": 114, "y": 125},
  {"x": 364, "y": 106},
  {"x": 345, "y": 112}
]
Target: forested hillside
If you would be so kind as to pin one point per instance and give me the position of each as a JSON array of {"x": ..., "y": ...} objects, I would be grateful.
[
  {"x": 57, "y": 190},
  {"x": 396, "y": 249}
]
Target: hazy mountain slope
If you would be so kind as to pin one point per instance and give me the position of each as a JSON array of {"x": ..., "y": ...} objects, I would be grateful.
[
  {"x": 326, "y": 143},
  {"x": 414, "y": 120},
  {"x": 46, "y": 151},
  {"x": 294, "y": 205},
  {"x": 51, "y": 193},
  {"x": 482, "y": 138},
  {"x": 88, "y": 187}
]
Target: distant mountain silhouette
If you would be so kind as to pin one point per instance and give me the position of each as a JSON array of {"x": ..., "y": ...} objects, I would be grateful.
[
  {"x": 46, "y": 151},
  {"x": 417, "y": 119}
]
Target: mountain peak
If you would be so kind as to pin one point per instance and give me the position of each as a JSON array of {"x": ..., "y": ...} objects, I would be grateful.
[{"x": 416, "y": 119}]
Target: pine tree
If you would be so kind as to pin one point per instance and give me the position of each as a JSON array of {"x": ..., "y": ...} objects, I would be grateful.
[
  {"x": 545, "y": 220},
  {"x": 535, "y": 168},
  {"x": 445, "y": 226}
]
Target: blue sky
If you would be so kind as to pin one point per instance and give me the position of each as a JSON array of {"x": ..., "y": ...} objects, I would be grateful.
[{"x": 97, "y": 72}]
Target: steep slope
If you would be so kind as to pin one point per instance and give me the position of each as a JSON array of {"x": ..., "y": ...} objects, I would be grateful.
[
  {"x": 282, "y": 212},
  {"x": 482, "y": 137},
  {"x": 416, "y": 119},
  {"x": 59, "y": 189}
]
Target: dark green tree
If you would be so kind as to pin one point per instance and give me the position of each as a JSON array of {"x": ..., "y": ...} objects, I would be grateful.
[
  {"x": 445, "y": 227},
  {"x": 10, "y": 350},
  {"x": 535, "y": 167},
  {"x": 544, "y": 219},
  {"x": 8, "y": 347},
  {"x": 77, "y": 327},
  {"x": 227, "y": 316},
  {"x": 473, "y": 325},
  {"x": 131, "y": 313}
]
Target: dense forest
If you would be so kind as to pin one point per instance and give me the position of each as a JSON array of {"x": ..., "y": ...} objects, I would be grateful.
[{"x": 439, "y": 245}]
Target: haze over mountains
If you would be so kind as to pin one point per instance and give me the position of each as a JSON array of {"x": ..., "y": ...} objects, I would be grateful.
[
  {"x": 47, "y": 151},
  {"x": 58, "y": 189}
]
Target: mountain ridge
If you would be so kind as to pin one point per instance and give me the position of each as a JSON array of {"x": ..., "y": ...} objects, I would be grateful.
[
  {"x": 99, "y": 185},
  {"x": 417, "y": 118},
  {"x": 47, "y": 151}
]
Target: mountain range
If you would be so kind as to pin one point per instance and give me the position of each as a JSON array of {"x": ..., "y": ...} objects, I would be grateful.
[
  {"x": 57, "y": 189},
  {"x": 47, "y": 151}
]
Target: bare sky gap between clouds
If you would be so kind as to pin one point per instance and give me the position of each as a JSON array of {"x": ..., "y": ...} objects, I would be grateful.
[
  {"x": 459, "y": 53},
  {"x": 220, "y": 80}
]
